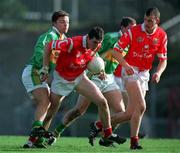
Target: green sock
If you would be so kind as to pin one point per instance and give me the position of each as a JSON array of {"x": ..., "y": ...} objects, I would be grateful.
[
  {"x": 59, "y": 129},
  {"x": 37, "y": 124}
]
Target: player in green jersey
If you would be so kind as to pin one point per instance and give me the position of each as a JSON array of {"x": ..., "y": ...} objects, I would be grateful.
[
  {"x": 37, "y": 90},
  {"x": 108, "y": 86}
]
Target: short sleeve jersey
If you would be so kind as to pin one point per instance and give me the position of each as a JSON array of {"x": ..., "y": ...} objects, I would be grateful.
[
  {"x": 73, "y": 58},
  {"x": 142, "y": 46}
]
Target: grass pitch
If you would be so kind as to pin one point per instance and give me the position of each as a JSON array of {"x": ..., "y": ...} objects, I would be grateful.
[{"x": 13, "y": 144}]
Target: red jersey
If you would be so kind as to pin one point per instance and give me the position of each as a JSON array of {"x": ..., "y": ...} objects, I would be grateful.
[
  {"x": 143, "y": 46},
  {"x": 73, "y": 58}
]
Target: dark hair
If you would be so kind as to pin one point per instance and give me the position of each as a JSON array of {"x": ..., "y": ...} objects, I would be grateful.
[
  {"x": 96, "y": 32},
  {"x": 127, "y": 21},
  {"x": 58, "y": 14},
  {"x": 153, "y": 11}
]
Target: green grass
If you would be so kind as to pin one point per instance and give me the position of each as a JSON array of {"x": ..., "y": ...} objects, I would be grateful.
[{"x": 13, "y": 144}]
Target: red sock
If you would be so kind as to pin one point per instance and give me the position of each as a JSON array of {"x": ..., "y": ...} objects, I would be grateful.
[
  {"x": 107, "y": 132},
  {"x": 33, "y": 139},
  {"x": 98, "y": 125},
  {"x": 134, "y": 140}
]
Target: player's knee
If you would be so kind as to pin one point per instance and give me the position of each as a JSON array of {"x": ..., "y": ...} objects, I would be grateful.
[
  {"x": 128, "y": 115},
  {"x": 77, "y": 112},
  {"x": 43, "y": 103},
  {"x": 142, "y": 108}
]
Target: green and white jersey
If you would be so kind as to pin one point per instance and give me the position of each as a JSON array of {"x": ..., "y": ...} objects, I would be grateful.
[
  {"x": 106, "y": 51},
  {"x": 37, "y": 59}
]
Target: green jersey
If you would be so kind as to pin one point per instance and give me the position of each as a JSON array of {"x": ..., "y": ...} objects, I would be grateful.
[
  {"x": 108, "y": 43},
  {"x": 37, "y": 58}
]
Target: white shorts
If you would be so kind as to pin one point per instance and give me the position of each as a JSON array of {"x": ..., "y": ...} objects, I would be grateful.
[
  {"x": 142, "y": 76},
  {"x": 106, "y": 85},
  {"x": 63, "y": 87},
  {"x": 119, "y": 83},
  {"x": 31, "y": 80}
]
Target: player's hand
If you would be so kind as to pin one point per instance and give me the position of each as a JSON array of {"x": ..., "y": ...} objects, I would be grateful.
[
  {"x": 155, "y": 78},
  {"x": 129, "y": 70},
  {"x": 44, "y": 73}
]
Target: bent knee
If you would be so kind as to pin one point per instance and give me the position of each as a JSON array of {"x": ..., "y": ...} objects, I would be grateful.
[
  {"x": 128, "y": 115},
  {"x": 142, "y": 108},
  {"x": 78, "y": 112}
]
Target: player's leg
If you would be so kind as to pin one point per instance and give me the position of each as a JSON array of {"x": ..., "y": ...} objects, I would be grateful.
[
  {"x": 115, "y": 102},
  {"x": 128, "y": 112},
  {"x": 88, "y": 89},
  {"x": 135, "y": 94},
  {"x": 116, "y": 105},
  {"x": 53, "y": 109},
  {"x": 39, "y": 93},
  {"x": 41, "y": 101},
  {"x": 78, "y": 110},
  {"x": 92, "y": 92}
]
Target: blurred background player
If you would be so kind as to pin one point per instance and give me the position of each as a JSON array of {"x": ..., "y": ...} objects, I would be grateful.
[
  {"x": 107, "y": 85},
  {"x": 69, "y": 74},
  {"x": 37, "y": 90}
]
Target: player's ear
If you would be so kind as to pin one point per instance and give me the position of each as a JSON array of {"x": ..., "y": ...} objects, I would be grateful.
[{"x": 157, "y": 21}]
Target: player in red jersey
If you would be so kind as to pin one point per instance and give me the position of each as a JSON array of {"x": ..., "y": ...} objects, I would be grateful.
[
  {"x": 69, "y": 74},
  {"x": 145, "y": 42}
]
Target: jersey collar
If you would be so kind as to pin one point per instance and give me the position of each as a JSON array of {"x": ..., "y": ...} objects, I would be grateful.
[
  {"x": 143, "y": 29},
  {"x": 120, "y": 32},
  {"x": 84, "y": 41},
  {"x": 56, "y": 30}
]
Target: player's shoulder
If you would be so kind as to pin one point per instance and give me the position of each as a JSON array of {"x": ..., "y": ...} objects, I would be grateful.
[
  {"x": 51, "y": 33},
  {"x": 136, "y": 28},
  {"x": 78, "y": 40},
  {"x": 161, "y": 31},
  {"x": 110, "y": 35}
]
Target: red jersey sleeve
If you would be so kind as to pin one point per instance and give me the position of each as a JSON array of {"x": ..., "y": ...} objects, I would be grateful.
[
  {"x": 123, "y": 42},
  {"x": 162, "y": 51},
  {"x": 62, "y": 45}
]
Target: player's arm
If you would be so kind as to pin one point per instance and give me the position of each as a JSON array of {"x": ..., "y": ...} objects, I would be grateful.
[
  {"x": 160, "y": 69},
  {"x": 162, "y": 55},
  {"x": 44, "y": 72},
  {"x": 118, "y": 52}
]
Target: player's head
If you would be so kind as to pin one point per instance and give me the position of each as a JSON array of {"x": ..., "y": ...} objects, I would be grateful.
[
  {"x": 151, "y": 19},
  {"x": 126, "y": 23},
  {"x": 95, "y": 37},
  {"x": 60, "y": 20}
]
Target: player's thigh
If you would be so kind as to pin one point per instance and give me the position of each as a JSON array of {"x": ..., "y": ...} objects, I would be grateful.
[
  {"x": 88, "y": 89},
  {"x": 56, "y": 99},
  {"x": 40, "y": 95},
  {"x": 115, "y": 101},
  {"x": 135, "y": 93},
  {"x": 125, "y": 98}
]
